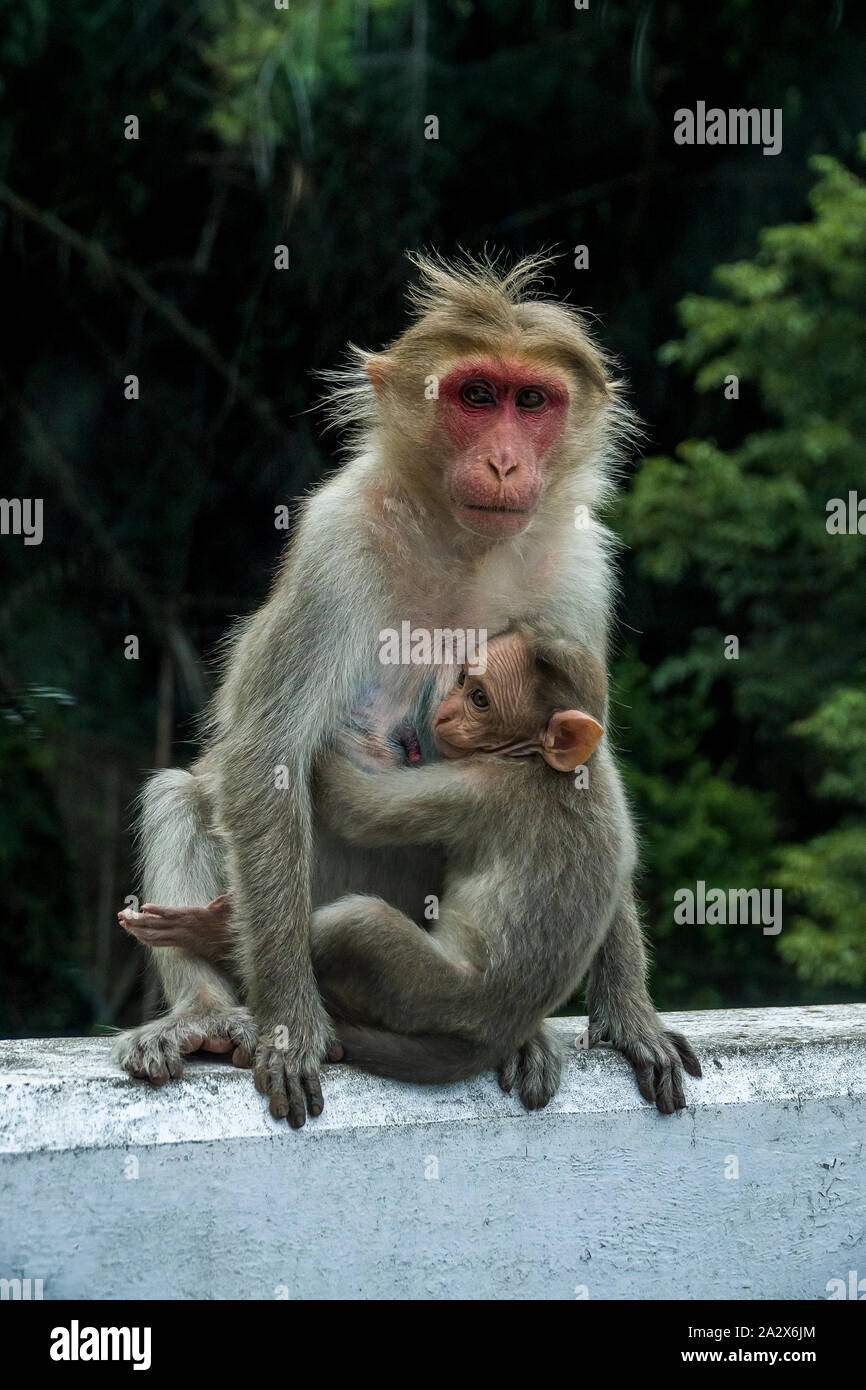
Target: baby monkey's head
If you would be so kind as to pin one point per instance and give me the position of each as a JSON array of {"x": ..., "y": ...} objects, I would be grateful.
[{"x": 537, "y": 695}]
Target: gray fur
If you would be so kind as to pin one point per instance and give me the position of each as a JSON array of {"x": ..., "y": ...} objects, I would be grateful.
[
  {"x": 370, "y": 551},
  {"x": 535, "y": 870}
]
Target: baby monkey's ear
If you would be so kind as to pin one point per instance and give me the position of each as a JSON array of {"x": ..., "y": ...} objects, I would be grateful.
[{"x": 569, "y": 739}]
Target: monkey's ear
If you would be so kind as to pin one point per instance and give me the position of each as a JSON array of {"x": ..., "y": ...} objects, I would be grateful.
[
  {"x": 569, "y": 739},
  {"x": 378, "y": 369}
]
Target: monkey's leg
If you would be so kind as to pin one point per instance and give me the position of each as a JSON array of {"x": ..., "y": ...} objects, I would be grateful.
[
  {"x": 433, "y": 1059},
  {"x": 183, "y": 865},
  {"x": 401, "y": 1007},
  {"x": 375, "y": 965},
  {"x": 621, "y": 1013}
]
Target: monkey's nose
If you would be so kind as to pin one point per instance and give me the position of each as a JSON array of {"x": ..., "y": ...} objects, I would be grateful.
[{"x": 501, "y": 465}]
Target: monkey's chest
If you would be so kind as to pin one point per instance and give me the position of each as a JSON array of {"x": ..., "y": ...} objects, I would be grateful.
[
  {"x": 428, "y": 635},
  {"x": 483, "y": 591}
]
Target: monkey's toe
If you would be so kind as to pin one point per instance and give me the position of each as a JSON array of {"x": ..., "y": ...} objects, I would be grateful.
[
  {"x": 658, "y": 1061},
  {"x": 292, "y": 1087},
  {"x": 534, "y": 1070}
]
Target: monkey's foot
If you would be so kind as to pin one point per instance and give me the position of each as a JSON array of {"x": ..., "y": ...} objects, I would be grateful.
[
  {"x": 289, "y": 1077},
  {"x": 658, "y": 1057},
  {"x": 534, "y": 1070},
  {"x": 198, "y": 931},
  {"x": 154, "y": 1052}
]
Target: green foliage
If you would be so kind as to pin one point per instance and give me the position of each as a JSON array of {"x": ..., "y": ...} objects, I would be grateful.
[
  {"x": 265, "y": 72},
  {"x": 825, "y": 876},
  {"x": 745, "y": 527},
  {"x": 827, "y": 937},
  {"x": 838, "y": 732},
  {"x": 695, "y": 821}
]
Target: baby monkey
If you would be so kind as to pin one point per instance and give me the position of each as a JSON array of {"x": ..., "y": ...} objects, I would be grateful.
[{"x": 536, "y": 862}]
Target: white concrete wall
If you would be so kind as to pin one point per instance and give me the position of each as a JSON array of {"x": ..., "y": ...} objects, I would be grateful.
[{"x": 455, "y": 1193}]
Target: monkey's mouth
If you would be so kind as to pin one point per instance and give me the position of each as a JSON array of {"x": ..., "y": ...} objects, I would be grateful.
[
  {"x": 478, "y": 507},
  {"x": 446, "y": 747},
  {"x": 492, "y": 520}
]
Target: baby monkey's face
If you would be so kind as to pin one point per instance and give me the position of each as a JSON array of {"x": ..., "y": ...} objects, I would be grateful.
[{"x": 494, "y": 712}]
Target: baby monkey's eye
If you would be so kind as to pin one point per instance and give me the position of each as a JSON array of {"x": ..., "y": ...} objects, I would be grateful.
[
  {"x": 479, "y": 699},
  {"x": 461, "y": 679},
  {"x": 529, "y": 398}
]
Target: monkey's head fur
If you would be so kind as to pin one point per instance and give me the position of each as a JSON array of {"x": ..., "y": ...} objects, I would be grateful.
[{"x": 498, "y": 404}]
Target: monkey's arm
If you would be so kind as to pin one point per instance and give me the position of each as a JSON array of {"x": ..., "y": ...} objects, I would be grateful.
[
  {"x": 290, "y": 682},
  {"x": 427, "y": 805}
]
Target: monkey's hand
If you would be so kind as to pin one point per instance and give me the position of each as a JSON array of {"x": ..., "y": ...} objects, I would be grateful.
[
  {"x": 155, "y": 1051},
  {"x": 534, "y": 1070},
  {"x": 289, "y": 1076},
  {"x": 658, "y": 1057}
]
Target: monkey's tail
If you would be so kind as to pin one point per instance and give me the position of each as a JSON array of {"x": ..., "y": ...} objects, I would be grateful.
[{"x": 434, "y": 1059}]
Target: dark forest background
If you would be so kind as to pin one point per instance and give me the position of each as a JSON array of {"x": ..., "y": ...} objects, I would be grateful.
[{"x": 305, "y": 126}]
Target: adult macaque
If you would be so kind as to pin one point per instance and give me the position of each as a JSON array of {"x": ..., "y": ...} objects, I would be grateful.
[
  {"x": 484, "y": 438},
  {"x": 535, "y": 869}
]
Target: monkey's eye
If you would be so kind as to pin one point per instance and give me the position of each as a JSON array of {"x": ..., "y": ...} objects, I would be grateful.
[
  {"x": 476, "y": 393},
  {"x": 529, "y": 398},
  {"x": 479, "y": 699},
  {"x": 461, "y": 679}
]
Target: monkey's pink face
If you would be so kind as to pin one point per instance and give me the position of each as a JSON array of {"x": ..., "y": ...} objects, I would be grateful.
[{"x": 502, "y": 418}]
